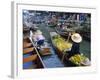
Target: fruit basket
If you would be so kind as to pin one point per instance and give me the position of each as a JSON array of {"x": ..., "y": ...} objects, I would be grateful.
[{"x": 80, "y": 60}]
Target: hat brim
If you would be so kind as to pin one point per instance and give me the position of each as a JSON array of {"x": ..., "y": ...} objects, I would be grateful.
[{"x": 76, "y": 40}]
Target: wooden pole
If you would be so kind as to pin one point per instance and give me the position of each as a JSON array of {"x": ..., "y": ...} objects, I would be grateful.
[{"x": 68, "y": 36}]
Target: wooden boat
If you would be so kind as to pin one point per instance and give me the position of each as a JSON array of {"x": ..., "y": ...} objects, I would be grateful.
[
  {"x": 61, "y": 55},
  {"x": 65, "y": 32},
  {"x": 62, "y": 33},
  {"x": 31, "y": 57},
  {"x": 67, "y": 61}
]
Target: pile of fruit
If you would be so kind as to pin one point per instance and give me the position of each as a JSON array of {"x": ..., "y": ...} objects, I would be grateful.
[
  {"x": 78, "y": 59},
  {"x": 60, "y": 43}
]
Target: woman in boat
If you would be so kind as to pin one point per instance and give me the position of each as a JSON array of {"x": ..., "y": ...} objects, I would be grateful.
[
  {"x": 76, "y": 38},
  {"x": 39, "y": 38}
]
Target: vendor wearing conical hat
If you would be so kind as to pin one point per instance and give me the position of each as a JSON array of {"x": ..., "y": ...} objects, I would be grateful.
[{"x": 76, "y": 38}]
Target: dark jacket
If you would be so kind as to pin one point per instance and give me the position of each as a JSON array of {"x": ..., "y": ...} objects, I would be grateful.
[{"x": 74, "y": 50}]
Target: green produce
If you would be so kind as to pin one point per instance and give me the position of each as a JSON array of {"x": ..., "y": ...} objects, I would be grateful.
[
  {"x": 60, "y": 43},
  {"x": 78, "y": 59}
]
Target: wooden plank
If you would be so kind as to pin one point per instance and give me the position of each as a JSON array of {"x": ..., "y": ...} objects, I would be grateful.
[
  {"x": 25, "y": 38},
  {"x": 27, "y": 50},
  {"x": 26, "y": 45},
  {"x": 30, "y": 58}
]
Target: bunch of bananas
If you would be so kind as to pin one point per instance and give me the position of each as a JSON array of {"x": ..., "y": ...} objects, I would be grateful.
[
  {"x": 60, "y": 43},
  {"x": 77, "y": 59}
]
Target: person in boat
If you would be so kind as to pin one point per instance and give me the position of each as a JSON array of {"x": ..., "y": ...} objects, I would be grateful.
[
  {"x": 39, "y": 38},
  {"x": 76, "y": 38}
]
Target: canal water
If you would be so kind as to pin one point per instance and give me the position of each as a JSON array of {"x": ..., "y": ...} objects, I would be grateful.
[
  {"x": 52, "y": 61},
  {"x": 85, "y": 48}
]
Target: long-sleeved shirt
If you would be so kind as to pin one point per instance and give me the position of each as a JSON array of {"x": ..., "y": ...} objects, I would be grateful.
[{"x": 38, "y": 37}]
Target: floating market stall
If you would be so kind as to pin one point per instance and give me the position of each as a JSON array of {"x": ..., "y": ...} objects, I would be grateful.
[{"x": 61, "y": 46}]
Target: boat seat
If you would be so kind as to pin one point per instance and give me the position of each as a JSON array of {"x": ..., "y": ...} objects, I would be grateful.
[
  {"x": 26, "y": 45},
  {"x": 30, "y": 58},
  {"x": 26, "y": 39},
  {"x": 27, "y": 50}
]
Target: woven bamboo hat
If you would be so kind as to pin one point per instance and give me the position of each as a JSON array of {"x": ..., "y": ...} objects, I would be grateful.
[{"x": 76, "y": 37}]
